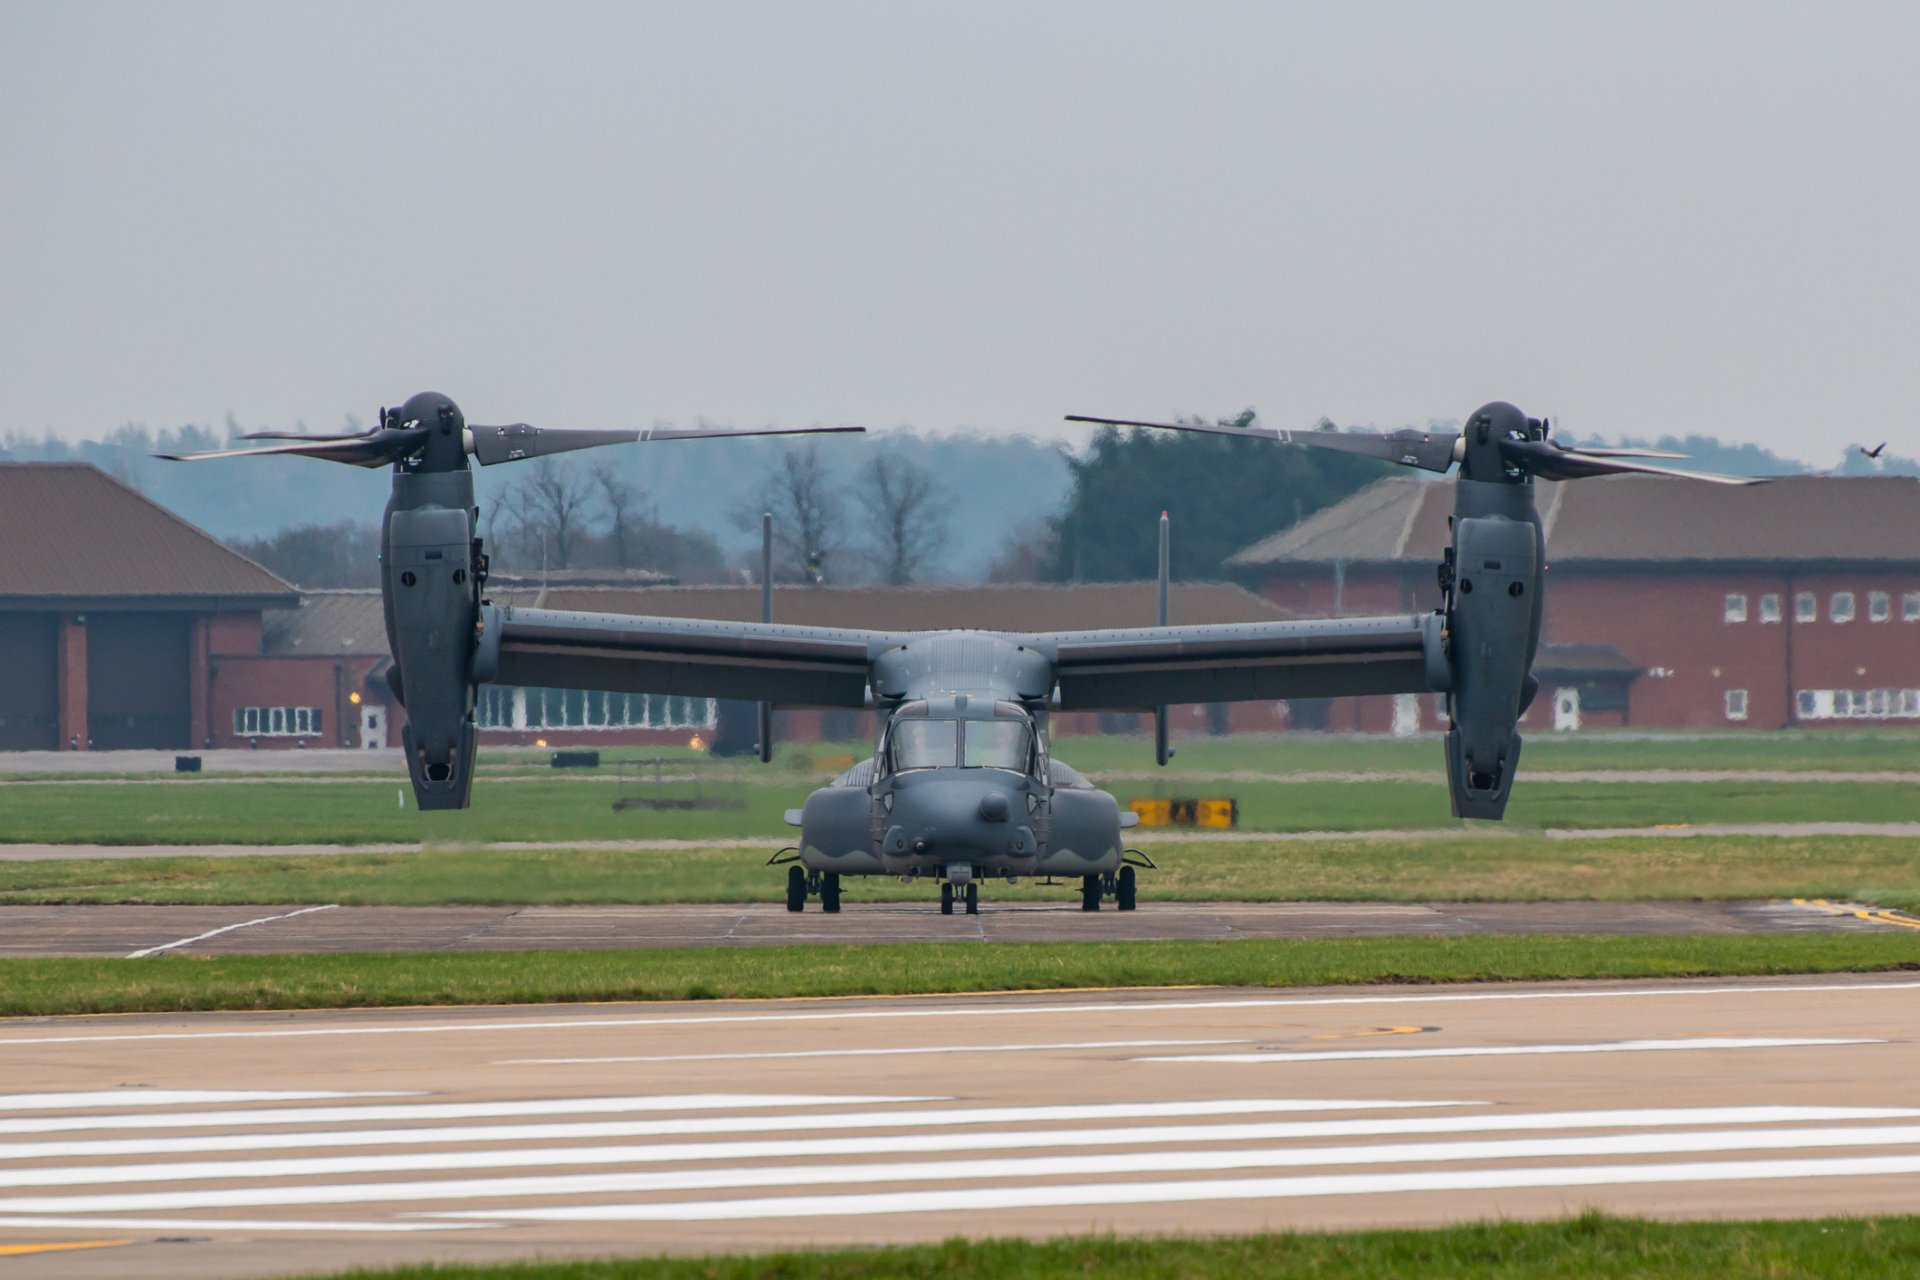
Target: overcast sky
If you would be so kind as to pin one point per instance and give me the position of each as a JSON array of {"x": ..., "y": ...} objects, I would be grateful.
[{"x": 1642, "y": 218}]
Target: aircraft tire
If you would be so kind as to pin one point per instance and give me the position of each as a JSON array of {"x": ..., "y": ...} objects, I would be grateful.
[
  {"x": 946, "y": 899},
  {"x": 830, "y": 892},
  {"x": 973, "y": 899},
  {"x": 1090, "y": 893},
  {"x": 796, "y": 889},
  {"x": 1123, "y": 892}
]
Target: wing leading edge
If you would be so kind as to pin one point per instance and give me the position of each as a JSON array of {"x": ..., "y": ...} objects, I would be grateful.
[
  {"x": 759, "y": 661},
  {"x": 1141, "y": 667}
]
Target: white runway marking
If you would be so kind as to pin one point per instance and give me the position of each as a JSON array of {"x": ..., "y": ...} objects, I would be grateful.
[
  {"x": 959, "y": 1171},
  {"x": 867, "y": 1053},
  {"x": 1108, "y": 1194},
  {"x": 181, "y": 1097},
  {"x": 949, "y": 1011},
  {"x": 440, "y": 1111},
  {"x": 225, "y": 928},
  {"x": 1511, "y": 1050},
  {"x": 241, "y": 1225},
  {"x": 933, "y": 1139}
]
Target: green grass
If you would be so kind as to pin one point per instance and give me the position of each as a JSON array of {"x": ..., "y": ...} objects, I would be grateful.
[
  {"x": 572, "y": 809},
  {"x": 1881, "y": 870},
  {"x": 68, "y": 985},
  {"x": 1592, "y": 1246}
]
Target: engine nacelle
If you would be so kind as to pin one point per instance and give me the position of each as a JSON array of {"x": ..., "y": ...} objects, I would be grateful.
[
  {"x": 433, "y": 613},
  {"x": 1493, "y": 627}
]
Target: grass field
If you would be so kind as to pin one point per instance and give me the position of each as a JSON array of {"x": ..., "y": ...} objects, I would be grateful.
[
  {"x": 1884, "y": 871},
  {"x": 68, "y": 985},
  {"x": 568, "y": 809},
  {"x": 1590, "y": 1247}
]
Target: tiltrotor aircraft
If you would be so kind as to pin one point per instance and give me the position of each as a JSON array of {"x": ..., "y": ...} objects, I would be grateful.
[{"x": 961, "y": 785}]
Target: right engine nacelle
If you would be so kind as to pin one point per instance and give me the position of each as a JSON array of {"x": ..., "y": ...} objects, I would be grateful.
[
  {"x": 1493, "y": 627},
  {"x": 433, "y": 614}
]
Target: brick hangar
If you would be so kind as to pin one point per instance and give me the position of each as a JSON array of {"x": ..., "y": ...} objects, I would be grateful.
[{"x": 1670, "y": 606}]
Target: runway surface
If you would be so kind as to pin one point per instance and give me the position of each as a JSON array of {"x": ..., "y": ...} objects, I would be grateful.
[
  {"x": 230, "y": 1145},
  {"x": 116, "y": 930}
]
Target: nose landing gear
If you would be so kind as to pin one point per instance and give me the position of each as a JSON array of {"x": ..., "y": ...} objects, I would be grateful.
[
  {"x": 822, "y": 884},
  {"x": 1120, "y": 885},
  {"x": 970, "y": 895}
]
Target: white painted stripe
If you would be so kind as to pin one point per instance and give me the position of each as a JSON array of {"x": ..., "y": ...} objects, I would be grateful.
[
  {"x": 1516, "y": 1050},
  {"x": 243, "y": 1224},
  {"x": 963, "y": 1170},
  {"x": 934, "y": 1139},
  {"x": 225, "y": 928},
  {"x": 181, "y": 1097},
  {"x": 1114, "y": 1194},
  {"x": 431, "y": 1111},
  {"x": 974, "y": 1011},
  {"x": 868, "y": 1053}
]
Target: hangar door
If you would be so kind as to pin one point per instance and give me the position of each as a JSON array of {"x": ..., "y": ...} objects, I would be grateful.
[
  {"x": 138, "y": 673},
  {"x": 30, "y": 693}
]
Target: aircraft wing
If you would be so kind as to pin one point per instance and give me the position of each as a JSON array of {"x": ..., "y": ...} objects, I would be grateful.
[
  {"x": 1136, "y": 668},
  {"x": 686, "y": 657}
]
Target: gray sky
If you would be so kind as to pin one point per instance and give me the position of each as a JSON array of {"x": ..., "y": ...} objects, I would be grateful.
[{"x": 1642, "y": 218}]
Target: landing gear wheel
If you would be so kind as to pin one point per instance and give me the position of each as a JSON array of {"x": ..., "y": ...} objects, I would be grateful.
[
  {"x": 946, "y": 899},
  {"x": 1123, "y": 889},
  {"x": 973, "y": 899},
  {"x": 830, "y": 892},
  {"x": 796, "y": 889},
  {"x": 1090, "y": 893}
]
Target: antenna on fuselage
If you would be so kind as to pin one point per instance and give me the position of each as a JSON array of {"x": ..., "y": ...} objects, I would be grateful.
[
  {"x": 764, "y": 711},
  {"x": 1162, "y": 743}
]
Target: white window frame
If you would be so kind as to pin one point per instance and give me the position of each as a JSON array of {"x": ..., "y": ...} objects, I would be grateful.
[
  {"x": 1910, "y": 607},
  {"x": 1736, "y": 704},
  {"x": 1736, "y": 606},
  {"x": 1879, "y": 607},
  {"x": 1840, "y": 607},
  {"x": 1806, "y": 607},
  {"x": 1770, "y": 607}
]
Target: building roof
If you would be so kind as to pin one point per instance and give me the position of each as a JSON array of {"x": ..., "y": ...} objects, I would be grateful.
[
  {"x": 1646, "y": 521},
  {"x": 71, "y": 532},
  {"x": 327, "y": 623},
  {"x": 1004, "y": 607}
]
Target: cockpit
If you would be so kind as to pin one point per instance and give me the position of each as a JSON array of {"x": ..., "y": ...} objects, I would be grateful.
[{"x": 923, "y": 736}]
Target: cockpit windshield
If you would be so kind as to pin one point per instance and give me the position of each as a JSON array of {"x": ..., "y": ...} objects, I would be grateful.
[
  {"x": 996, "y": 744},
  {"x": 925, "y": 744}
]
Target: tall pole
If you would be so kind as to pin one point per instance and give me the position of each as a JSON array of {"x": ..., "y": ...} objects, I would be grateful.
[
  {"x": 765, "y": 709},
  {"x": 1162, "y": 740}
]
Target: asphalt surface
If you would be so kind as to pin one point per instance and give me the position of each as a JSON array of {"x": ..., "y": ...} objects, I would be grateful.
[
  {"x": 127, "y": 930},
  {"x": 228, "y": 1145}
]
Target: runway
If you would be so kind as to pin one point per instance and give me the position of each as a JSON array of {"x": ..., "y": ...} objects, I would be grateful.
[
  {"x": 134, "y": 930},
  {"x": 231, "y": 1145}
]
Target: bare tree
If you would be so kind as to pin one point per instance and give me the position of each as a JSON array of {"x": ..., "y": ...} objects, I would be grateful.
[
  {"x": 905, "y": 513},
  {"x": 621, "y": 501},
  {"x": 808, "y": 518},
  {"x": 547, "y": 508}
]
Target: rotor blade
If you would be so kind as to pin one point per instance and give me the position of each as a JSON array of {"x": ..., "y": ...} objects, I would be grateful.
[
  {"x": 1550, "y": 462},
  {"x": 1617, "y": 453},
  {"x": 518, "y": 440},
  {"x": 1428, "y": 450},
  {"x": 302, "y": 435},
  {"x": 374, "y": 449}
]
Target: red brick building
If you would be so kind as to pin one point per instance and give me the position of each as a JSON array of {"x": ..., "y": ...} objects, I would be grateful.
[
  {"x": 115, "y": 615},
  {"x": 1670, "y": 603}
]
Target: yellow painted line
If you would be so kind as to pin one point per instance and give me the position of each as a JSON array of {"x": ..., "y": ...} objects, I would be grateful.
[
  {"x": 65, "y": 1246},
  {"x": 1873, "y": 915},
  {"x": 1376, "y": 1031}
]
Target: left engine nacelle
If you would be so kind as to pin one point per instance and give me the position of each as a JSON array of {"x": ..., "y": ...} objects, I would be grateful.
[{"x": 433, "y": 605}]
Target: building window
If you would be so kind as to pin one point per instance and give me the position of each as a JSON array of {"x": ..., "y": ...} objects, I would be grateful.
[
  {"x": 1858, "y": 704},
  {"x": 1879, "y": 606},
  {"x": 1805, "y": 607},
  {"x": 1736, "y": 607},
  {"x": 276, "y": 722},
  {"x": 508, "y": 707},
  {"x": 1841, "y": 607},
  {"x": 1770, "y": 608},
  {"x": 1736, "y": 704}
]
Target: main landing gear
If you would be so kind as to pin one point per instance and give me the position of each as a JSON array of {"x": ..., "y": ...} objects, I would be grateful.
[
  {"x": 1121, "y": 886},
  {"x": 971, "y": 896},
  {"x": 822, "y": 884}
]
